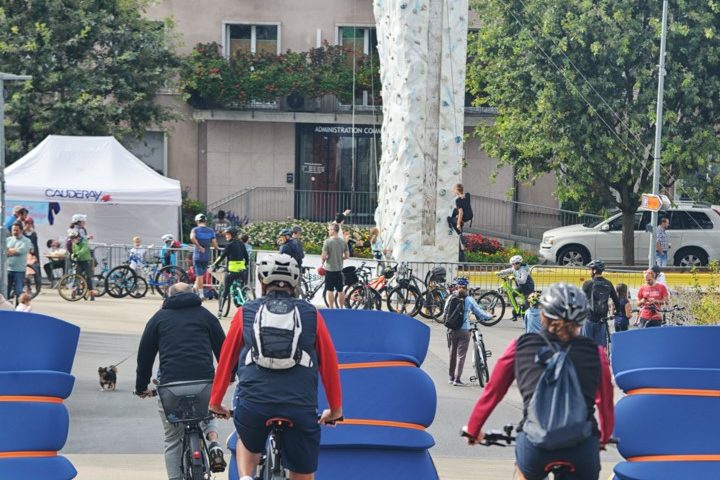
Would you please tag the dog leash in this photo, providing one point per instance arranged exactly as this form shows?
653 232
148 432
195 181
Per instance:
121 361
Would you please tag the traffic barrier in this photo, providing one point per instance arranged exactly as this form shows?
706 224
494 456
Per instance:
36 357
666 423
388 401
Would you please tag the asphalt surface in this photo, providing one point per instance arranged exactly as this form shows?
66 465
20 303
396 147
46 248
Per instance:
111 431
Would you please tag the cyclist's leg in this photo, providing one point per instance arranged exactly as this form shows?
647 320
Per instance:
301 443
249 420
217 460
173 446
463 342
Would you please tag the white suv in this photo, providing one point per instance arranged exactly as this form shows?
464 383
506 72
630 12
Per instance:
694 238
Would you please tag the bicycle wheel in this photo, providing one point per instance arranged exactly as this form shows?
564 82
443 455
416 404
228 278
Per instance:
99 284
433 303
168 276
362 297
223 303
484 363
140 289
120 281
494 304
248 293
72 287
404 299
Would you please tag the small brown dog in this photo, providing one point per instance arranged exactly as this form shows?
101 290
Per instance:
108 378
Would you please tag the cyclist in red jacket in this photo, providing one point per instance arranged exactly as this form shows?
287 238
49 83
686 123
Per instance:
280 345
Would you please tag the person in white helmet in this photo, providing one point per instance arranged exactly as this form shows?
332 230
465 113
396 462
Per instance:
280 379
523 279
167 252
78 223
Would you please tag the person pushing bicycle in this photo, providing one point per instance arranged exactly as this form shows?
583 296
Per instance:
523 278
279 345
237 259
563 309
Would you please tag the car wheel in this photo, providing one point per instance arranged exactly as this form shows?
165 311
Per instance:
573 256
691 257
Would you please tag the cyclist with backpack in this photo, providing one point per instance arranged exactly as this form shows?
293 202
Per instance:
457 308
561 376
599 291
279 345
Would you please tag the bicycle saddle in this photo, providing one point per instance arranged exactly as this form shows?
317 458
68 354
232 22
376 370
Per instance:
559 466
279 422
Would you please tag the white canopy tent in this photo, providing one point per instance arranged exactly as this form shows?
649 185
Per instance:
97 176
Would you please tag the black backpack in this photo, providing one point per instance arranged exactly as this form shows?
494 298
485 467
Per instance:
557 416
467 209
600 292
455 312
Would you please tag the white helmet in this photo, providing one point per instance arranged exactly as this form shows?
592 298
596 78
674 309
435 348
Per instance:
168 237
278 267
72 233
79 217
515 259
200 217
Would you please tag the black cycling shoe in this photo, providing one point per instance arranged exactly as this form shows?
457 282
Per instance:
217 462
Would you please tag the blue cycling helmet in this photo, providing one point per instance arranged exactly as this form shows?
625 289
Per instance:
462 282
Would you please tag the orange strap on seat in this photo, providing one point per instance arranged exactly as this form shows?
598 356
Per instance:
380 423
676 458
686 392
28 454
398 363
30 398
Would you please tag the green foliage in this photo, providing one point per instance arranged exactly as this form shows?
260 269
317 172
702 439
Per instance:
190 208
96 69
501 256
210 80
523 63
704 303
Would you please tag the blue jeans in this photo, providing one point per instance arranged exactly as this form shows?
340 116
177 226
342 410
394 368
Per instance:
16 283
661 259
595 330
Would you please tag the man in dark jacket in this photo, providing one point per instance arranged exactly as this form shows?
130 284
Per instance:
185 335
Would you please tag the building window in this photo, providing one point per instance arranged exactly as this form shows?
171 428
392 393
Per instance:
361 41
252 38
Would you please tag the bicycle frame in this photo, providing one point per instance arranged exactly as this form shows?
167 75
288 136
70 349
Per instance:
506 287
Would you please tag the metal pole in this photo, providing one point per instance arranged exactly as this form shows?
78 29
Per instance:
658 132
3 231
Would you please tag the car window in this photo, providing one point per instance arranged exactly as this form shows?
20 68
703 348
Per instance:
698 220
616 224
679 220
641 220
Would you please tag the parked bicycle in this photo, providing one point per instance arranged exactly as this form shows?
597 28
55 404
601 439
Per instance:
72 286
434 297
124 280
359 294
493 302
480 356
673 316
238 294
406 297
310 284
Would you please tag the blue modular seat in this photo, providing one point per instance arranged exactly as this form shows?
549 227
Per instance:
676 347
667 470
377 464
365 357
378 332
45 468
668 377
33 426
37 382
667 425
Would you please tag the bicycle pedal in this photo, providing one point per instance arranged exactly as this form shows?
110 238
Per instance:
488 353
473 379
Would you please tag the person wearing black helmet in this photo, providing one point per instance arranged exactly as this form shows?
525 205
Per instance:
599 291
563 309
237 259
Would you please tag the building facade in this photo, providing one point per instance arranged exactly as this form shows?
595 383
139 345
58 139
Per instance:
275 161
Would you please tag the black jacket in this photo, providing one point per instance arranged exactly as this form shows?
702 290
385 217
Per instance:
185 335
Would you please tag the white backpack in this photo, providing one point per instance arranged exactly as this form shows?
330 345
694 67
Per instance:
276 333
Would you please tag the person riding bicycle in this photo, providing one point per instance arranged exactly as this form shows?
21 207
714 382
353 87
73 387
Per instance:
185 336
459 339
521 272
82 257
563 309
237 259
599 291
280 381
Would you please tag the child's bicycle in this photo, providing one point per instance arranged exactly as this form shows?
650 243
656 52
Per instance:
493 302
239 293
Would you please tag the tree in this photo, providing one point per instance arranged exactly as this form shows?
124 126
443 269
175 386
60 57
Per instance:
575 84
96 66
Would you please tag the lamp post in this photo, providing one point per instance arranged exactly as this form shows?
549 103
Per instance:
4 77
658 132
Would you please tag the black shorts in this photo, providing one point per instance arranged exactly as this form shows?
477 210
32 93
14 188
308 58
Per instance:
334 281
531 460
300 444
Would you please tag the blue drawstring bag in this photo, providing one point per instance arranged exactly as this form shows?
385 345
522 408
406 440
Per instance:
557 416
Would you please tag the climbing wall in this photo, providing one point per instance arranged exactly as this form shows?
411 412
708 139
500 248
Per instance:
422 46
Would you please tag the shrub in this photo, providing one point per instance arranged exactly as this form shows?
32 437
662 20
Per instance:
475 242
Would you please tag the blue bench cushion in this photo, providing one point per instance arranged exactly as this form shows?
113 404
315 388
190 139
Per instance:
30 341
36 382
46 468
667 470
667 425
377 332
363 357
666 377
32 426
375 464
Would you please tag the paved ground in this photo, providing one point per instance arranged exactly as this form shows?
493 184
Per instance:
114 435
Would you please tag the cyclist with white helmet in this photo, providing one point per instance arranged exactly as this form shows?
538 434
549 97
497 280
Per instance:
521 272
167 252
78 223
203 238
279 345
563 309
